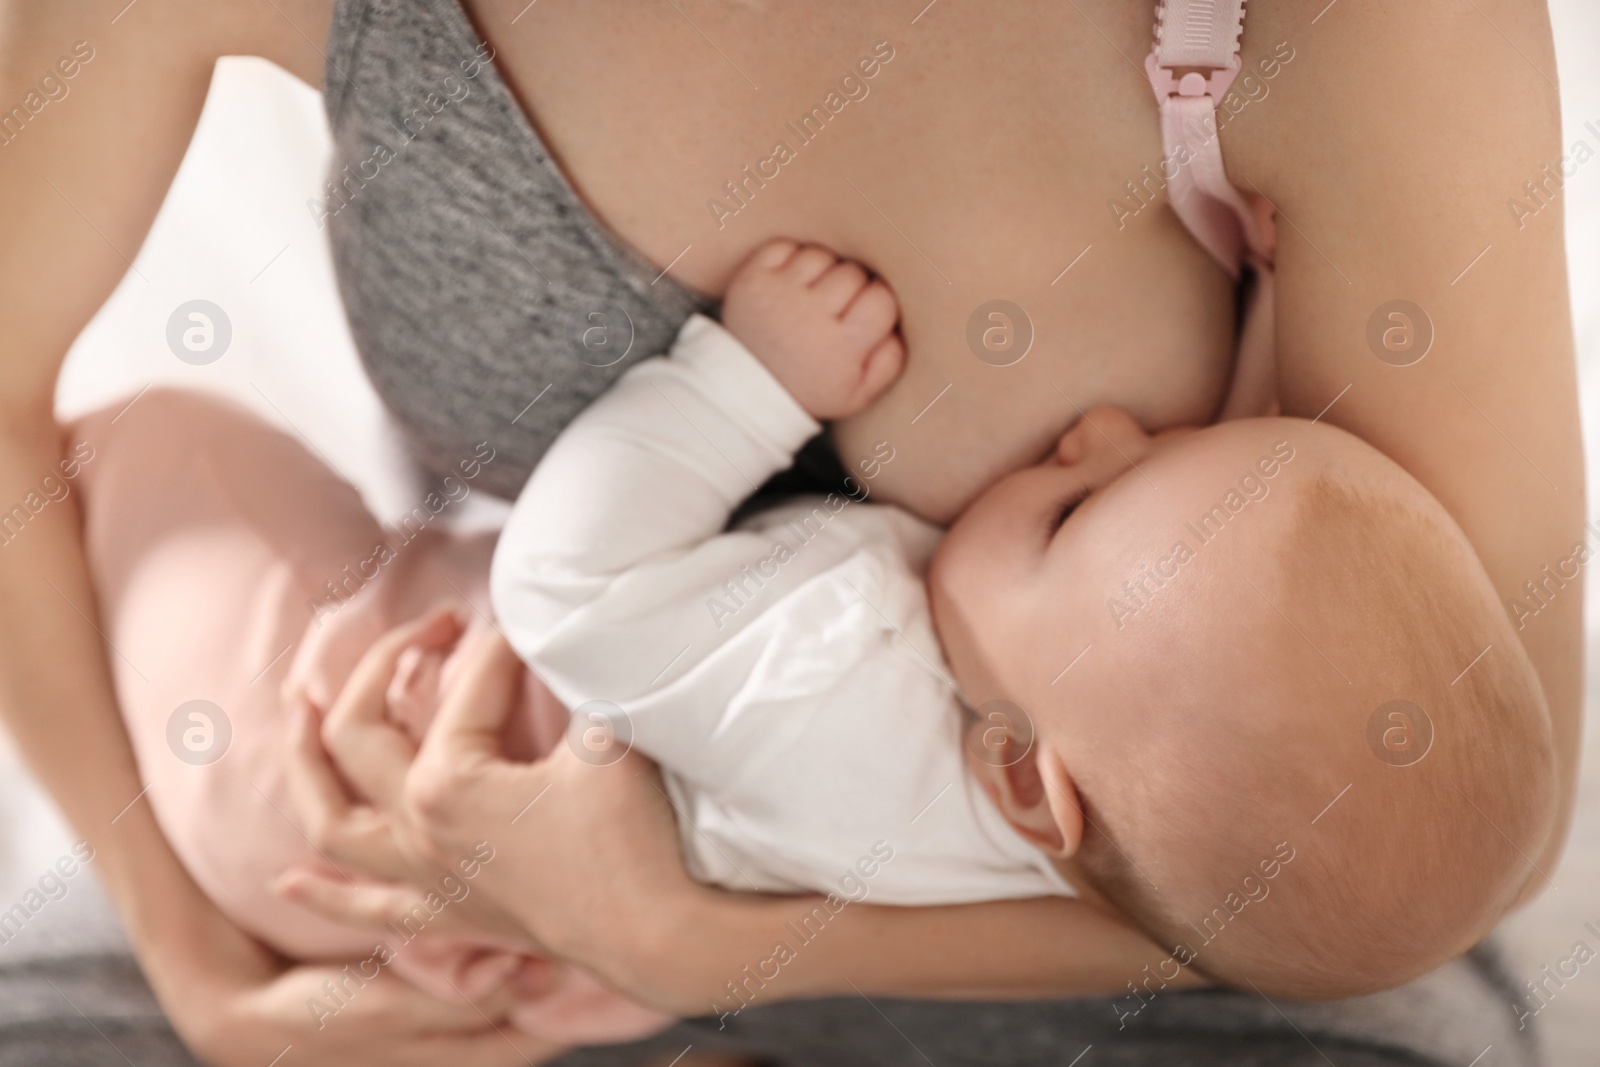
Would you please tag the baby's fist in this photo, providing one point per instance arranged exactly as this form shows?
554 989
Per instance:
823 328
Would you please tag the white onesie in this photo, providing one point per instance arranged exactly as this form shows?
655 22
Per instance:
784 674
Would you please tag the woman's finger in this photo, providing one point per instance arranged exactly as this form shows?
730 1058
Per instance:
374 906
461 756
373 753
472 714
317 793
359 836
374 1003
384 1001
362 696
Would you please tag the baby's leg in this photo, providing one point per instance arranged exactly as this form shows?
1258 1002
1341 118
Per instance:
226 558
210 536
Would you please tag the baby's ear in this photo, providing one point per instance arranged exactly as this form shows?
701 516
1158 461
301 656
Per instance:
1035 793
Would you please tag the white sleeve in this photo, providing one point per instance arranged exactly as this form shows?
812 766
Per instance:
618 537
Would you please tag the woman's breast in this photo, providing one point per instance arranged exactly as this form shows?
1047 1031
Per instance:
1033 316
1000 169
1034 286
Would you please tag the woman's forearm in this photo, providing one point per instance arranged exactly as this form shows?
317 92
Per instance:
1489 421
727 951
58 703
595 874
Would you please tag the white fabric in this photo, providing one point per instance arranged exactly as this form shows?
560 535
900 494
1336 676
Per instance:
800 720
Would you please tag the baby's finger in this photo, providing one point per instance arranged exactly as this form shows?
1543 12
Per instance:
809 264
839 285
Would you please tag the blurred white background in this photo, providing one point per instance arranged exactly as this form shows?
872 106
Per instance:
236 231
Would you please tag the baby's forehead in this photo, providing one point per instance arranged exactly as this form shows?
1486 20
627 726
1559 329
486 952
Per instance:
1214 474
1213 523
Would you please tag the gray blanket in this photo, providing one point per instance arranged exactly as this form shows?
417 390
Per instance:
70 994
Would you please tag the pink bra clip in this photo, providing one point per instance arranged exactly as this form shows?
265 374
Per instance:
1193 83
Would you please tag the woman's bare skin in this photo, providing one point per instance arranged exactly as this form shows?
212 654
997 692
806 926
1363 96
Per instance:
983 162
979 167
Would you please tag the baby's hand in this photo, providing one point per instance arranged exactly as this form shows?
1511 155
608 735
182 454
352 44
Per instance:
822 327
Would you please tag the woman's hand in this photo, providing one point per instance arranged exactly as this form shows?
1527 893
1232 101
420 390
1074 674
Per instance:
589 845
586 859
592 865
580 853
238 1005
369 832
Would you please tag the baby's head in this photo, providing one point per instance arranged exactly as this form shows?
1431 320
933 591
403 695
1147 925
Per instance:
1205 655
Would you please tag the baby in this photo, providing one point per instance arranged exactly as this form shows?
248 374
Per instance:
1246 685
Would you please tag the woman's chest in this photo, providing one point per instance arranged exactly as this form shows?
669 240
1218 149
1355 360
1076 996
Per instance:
991 163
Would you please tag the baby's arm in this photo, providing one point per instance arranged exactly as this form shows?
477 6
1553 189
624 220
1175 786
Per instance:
617 540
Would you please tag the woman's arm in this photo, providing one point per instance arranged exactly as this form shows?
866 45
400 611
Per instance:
85 160
597 873
587 859
82 179
715 952
1397 147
